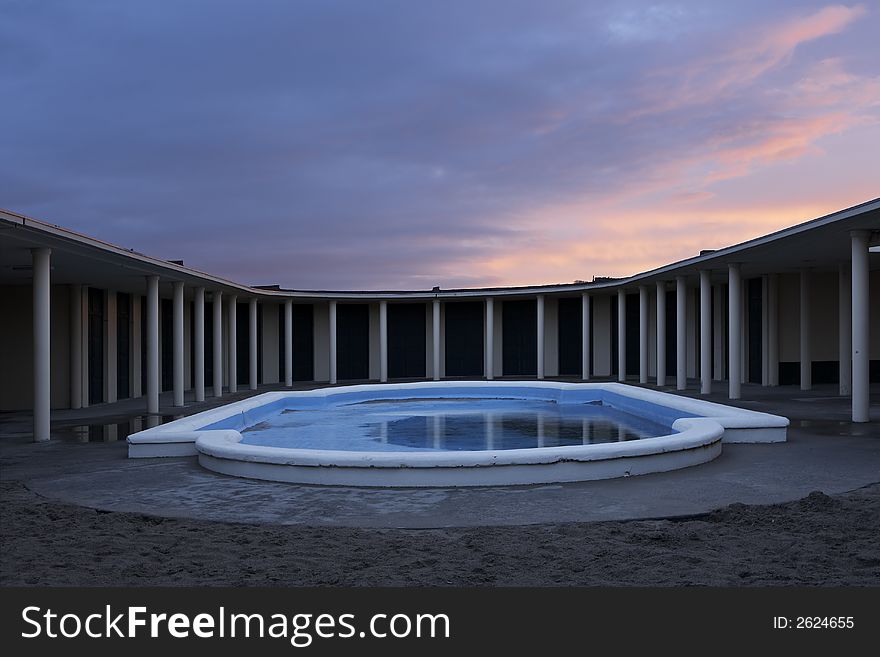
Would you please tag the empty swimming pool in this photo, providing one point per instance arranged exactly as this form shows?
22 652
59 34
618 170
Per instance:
437 424
472 433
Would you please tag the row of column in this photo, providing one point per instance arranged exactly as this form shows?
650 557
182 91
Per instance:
78 378
853 336
853 330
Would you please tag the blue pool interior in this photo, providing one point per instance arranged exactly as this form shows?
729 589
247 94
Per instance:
451 419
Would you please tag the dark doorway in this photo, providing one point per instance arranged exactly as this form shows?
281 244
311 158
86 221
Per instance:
209 343
631 317
406 340
671 341
242 354
303 342
520 336
753 291
243 342
464 338
570 322
352 341
167 329
96 346
123 345
143 303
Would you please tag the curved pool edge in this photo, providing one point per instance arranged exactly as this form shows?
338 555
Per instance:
696 441
177 438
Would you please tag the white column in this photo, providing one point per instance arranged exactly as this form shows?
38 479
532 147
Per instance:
383 341
540 320
110 349
860 327
773 329
680 333
42 342
217 298
621 335
765 331
705 333
199 344
232 342
585 337
76 346
844 348
643 334
490 339
661 333
288 343
734 320
152 344
252 344
177 354
435 316
332 310
805 351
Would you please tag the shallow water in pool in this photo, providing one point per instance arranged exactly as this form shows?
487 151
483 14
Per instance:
456 425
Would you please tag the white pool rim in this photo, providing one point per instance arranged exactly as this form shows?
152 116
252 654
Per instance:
693 440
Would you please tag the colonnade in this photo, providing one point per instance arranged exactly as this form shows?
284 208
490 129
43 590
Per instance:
853 322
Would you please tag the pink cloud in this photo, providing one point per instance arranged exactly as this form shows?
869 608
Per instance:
712 77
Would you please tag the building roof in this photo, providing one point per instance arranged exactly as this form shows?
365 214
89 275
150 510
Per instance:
820 243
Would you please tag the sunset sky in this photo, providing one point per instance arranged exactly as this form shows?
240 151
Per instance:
339 144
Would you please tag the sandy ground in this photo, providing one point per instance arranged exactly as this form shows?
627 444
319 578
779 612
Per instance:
819 540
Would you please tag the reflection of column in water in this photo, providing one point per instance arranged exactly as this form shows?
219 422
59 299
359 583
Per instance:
137 424
621 433
540 429
153 421
585 431
438 432
383 432
489 424
110 433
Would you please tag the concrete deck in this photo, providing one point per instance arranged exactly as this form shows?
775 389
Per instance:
86 464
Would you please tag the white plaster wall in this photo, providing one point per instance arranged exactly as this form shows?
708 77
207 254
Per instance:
17 351
789 317
824 318
271 316
322 342
601 335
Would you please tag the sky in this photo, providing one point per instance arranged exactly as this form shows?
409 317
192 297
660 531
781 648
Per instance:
343 144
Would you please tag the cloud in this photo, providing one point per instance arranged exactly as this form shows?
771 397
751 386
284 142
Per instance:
399 145
711 78
655 22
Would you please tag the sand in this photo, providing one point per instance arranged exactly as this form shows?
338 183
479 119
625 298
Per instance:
819 540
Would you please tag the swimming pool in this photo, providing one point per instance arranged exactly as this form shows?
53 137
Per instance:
462 433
